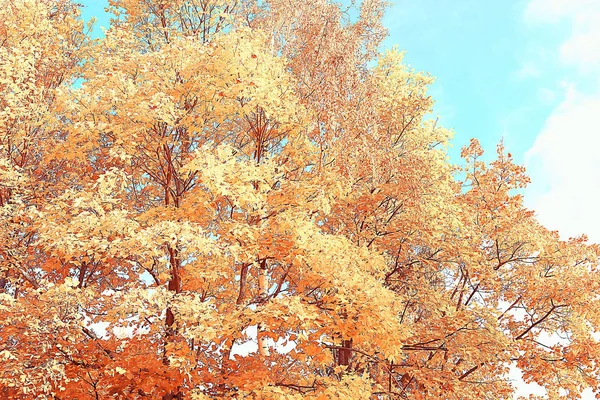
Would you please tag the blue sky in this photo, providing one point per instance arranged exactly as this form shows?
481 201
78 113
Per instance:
475 49
525 71
528 72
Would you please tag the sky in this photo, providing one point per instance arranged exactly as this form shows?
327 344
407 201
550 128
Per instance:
523 71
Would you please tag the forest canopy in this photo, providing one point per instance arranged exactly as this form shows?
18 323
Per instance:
250 199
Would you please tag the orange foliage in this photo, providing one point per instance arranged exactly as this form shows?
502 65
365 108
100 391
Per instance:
215 168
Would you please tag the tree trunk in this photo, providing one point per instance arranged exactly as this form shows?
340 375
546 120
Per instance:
263 287
344 352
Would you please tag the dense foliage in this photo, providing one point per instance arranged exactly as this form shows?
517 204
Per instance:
215 168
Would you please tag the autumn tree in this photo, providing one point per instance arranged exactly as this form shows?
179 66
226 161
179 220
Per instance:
214 168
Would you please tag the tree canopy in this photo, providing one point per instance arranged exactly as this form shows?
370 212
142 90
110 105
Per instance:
214 168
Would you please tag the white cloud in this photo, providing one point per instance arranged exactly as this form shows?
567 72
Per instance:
582 49
249 346
545 11
523 389
546 96
528 70
564 162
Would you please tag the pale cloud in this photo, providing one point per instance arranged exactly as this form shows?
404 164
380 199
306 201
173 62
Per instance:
582 49
546 95
564 161
528 70
522 389
250 345
548 11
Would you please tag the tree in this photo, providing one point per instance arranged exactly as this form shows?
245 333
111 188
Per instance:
212 167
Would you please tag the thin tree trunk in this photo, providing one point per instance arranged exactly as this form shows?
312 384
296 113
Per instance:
345 352
263 287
